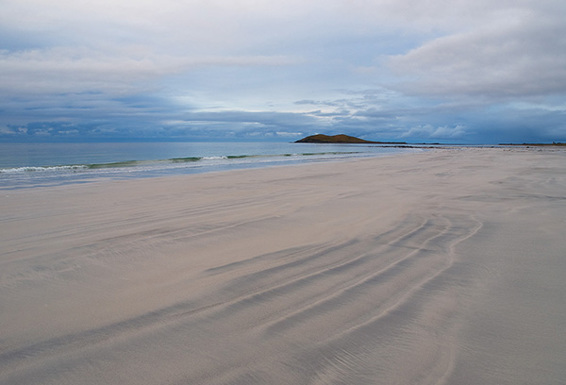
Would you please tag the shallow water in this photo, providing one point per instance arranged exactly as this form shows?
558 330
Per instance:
32 164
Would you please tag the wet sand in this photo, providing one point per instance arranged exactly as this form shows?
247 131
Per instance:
444 267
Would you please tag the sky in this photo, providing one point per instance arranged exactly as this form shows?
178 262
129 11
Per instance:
458 71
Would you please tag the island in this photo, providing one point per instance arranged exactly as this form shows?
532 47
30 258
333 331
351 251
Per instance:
341 138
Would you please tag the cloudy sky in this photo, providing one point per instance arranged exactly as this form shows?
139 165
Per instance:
459 71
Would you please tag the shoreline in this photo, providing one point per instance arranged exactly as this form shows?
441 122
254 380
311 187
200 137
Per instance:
442 266
52 169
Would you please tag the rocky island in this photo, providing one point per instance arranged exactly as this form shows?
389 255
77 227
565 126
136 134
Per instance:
321 138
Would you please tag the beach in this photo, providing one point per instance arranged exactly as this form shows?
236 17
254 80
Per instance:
440 267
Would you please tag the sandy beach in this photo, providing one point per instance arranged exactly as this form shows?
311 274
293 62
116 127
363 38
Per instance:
441 267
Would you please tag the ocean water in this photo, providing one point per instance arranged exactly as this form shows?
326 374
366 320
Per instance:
39 164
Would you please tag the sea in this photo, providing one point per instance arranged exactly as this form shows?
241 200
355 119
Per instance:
27 165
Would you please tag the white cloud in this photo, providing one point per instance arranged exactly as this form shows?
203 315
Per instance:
431 132
206 26
78 69
288 134
514 58
7 131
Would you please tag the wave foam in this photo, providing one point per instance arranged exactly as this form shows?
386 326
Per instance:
15 170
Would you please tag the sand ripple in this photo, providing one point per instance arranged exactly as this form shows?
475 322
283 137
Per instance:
404 271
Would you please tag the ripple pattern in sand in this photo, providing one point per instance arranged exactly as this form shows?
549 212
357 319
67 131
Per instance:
361 311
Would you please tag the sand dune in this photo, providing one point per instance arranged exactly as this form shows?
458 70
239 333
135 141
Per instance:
444 267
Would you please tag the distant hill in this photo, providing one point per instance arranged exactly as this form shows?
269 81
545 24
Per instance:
321 138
